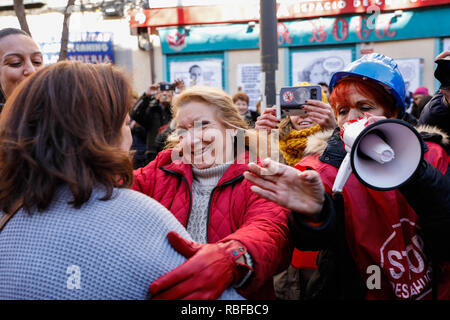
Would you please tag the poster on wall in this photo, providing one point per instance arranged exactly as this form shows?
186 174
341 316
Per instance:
249 80
207 72
318 66
411 70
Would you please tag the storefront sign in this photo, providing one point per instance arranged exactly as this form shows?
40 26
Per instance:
286 10
91 47
310 32
314 8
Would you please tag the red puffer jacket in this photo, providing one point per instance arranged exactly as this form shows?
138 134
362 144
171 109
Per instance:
235 213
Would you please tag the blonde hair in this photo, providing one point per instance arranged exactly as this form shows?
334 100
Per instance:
285 124
227 113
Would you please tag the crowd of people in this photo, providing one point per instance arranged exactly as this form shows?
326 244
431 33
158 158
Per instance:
106 194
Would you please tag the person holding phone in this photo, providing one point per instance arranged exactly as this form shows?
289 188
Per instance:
294 130
153 112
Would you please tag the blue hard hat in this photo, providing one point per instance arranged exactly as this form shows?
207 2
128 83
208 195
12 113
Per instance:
379 68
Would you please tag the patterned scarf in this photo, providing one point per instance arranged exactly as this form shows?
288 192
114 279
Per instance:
295 143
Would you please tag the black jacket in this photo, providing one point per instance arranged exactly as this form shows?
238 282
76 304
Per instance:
161 138
150 114
436 113
250 117
139 144
337 276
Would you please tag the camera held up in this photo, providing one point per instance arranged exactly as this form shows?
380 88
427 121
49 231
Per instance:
167 86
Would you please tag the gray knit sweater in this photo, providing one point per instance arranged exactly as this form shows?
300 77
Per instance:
106 250
204 182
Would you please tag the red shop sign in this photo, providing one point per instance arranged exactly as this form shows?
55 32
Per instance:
192 15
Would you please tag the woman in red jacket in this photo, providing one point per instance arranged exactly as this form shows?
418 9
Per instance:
241 238
374 244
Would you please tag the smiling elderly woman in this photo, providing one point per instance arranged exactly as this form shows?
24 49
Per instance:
242 239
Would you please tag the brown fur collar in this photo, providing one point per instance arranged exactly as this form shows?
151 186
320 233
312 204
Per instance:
317 143
434 130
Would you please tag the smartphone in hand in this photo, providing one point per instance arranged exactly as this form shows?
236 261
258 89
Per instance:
292 99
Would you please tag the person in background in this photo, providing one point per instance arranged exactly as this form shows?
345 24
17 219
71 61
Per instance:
437 111
20 57
294 132
360 229
420 97
408 101
162 139
153 112
412 110
72 228
325 89
241 101
139 134
418 106
419 94
240 238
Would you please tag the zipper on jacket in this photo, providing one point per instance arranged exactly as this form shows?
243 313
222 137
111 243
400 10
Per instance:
189 189
226 183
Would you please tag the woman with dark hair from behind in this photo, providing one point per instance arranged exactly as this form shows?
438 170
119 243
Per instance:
19 57
75 230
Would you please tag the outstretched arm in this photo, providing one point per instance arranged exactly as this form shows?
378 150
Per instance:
299 191
312 219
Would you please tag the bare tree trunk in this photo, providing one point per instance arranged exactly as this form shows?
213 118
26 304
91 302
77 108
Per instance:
65 31
19 9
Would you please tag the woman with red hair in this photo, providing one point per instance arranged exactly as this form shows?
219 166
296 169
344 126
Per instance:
374 244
